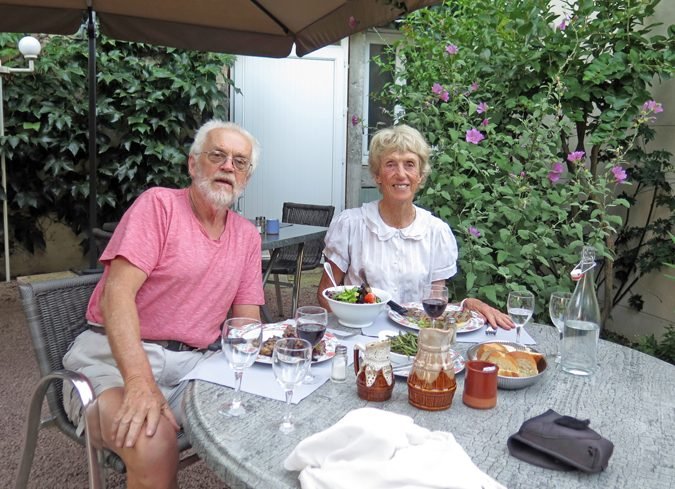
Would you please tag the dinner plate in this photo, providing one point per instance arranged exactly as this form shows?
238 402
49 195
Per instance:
415 310
404 372
277 329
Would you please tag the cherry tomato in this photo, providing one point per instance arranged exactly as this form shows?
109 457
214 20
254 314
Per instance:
370 298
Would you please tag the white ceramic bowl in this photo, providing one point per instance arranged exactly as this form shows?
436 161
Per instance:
356 315
513 383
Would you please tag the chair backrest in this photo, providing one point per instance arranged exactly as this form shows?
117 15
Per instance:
55 312
314 215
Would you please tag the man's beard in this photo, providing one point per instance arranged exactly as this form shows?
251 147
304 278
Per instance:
221 199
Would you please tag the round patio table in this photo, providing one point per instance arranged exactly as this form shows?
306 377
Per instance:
630 400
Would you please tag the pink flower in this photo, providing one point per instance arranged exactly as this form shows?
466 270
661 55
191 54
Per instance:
556 170
553 176
482 107
442 93
474 136
474 232
620 174
474 86
451 49
352 22
575 156
355 120
557 167
563 24
485 122
652 106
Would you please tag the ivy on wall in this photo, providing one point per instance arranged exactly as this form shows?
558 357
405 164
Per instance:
150 101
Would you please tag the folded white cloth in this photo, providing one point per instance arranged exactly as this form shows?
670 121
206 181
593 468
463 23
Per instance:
374 449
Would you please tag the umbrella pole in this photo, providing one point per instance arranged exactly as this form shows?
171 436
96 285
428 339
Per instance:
91 31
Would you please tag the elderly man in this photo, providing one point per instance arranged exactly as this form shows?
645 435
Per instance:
178 261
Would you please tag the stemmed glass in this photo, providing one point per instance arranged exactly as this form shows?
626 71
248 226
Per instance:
557 305
520 306
434 301
310 325
291 358
241 341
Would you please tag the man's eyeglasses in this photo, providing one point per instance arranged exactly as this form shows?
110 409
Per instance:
218 158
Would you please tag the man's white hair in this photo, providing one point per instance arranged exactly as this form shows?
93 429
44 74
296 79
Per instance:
207 127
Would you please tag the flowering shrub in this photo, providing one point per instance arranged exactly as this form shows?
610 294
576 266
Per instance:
533 117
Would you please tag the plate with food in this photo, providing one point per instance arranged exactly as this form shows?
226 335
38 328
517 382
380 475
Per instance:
325 350
519 365
416 318
404 349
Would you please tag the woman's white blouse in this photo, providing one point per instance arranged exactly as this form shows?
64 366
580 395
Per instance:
400 261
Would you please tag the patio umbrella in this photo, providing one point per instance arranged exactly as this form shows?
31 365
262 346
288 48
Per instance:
249 27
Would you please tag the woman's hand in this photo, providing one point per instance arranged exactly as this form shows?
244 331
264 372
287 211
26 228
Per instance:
491 315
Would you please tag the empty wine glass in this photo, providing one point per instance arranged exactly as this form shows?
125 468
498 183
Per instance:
241 341
434 301
291 358
557 306
310 325
520 306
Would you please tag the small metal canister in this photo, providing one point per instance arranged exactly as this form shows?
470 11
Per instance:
260 224
338 372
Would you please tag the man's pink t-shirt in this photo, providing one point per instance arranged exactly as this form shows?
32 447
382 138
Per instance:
193 280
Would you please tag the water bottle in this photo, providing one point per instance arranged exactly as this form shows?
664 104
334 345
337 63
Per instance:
581 329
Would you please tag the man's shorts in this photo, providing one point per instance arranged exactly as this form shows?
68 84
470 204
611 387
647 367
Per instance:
90 355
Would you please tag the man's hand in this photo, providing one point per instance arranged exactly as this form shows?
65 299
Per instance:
143 404
490 314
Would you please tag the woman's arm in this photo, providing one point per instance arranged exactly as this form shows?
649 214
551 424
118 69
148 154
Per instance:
490 314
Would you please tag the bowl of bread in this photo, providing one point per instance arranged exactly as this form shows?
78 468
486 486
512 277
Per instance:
519 365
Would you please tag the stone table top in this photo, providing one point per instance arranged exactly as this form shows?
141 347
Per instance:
630 400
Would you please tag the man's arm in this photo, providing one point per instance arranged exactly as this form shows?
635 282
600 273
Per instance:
246 311
143 401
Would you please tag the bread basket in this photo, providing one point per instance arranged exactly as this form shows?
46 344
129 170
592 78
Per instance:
513 383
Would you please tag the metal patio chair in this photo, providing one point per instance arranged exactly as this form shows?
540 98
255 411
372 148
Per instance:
55 313
285 264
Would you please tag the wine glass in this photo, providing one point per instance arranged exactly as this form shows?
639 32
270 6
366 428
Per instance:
241 341
520 306
291 359
434 301
557 305
310 325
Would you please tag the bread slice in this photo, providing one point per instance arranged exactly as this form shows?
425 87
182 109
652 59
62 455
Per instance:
486 348
508 367
526 363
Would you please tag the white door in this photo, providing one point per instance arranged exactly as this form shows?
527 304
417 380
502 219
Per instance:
296 108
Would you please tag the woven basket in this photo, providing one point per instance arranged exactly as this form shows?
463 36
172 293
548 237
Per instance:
430 399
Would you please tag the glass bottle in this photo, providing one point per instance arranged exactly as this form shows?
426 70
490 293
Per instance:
581 329
338 371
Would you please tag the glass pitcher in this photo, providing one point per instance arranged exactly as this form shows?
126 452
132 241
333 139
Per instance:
431 383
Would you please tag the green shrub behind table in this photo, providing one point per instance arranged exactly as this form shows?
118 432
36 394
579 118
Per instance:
150 101
537 87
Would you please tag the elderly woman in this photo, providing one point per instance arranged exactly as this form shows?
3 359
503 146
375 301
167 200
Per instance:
401 247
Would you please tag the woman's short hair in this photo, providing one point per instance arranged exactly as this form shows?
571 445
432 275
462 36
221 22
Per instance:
207 127
400 139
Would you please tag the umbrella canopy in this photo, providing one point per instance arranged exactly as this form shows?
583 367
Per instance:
250 27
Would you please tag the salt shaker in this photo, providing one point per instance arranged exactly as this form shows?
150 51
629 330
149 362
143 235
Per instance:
338 372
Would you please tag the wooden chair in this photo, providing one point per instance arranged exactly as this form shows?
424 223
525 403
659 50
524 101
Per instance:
55 312
285 264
